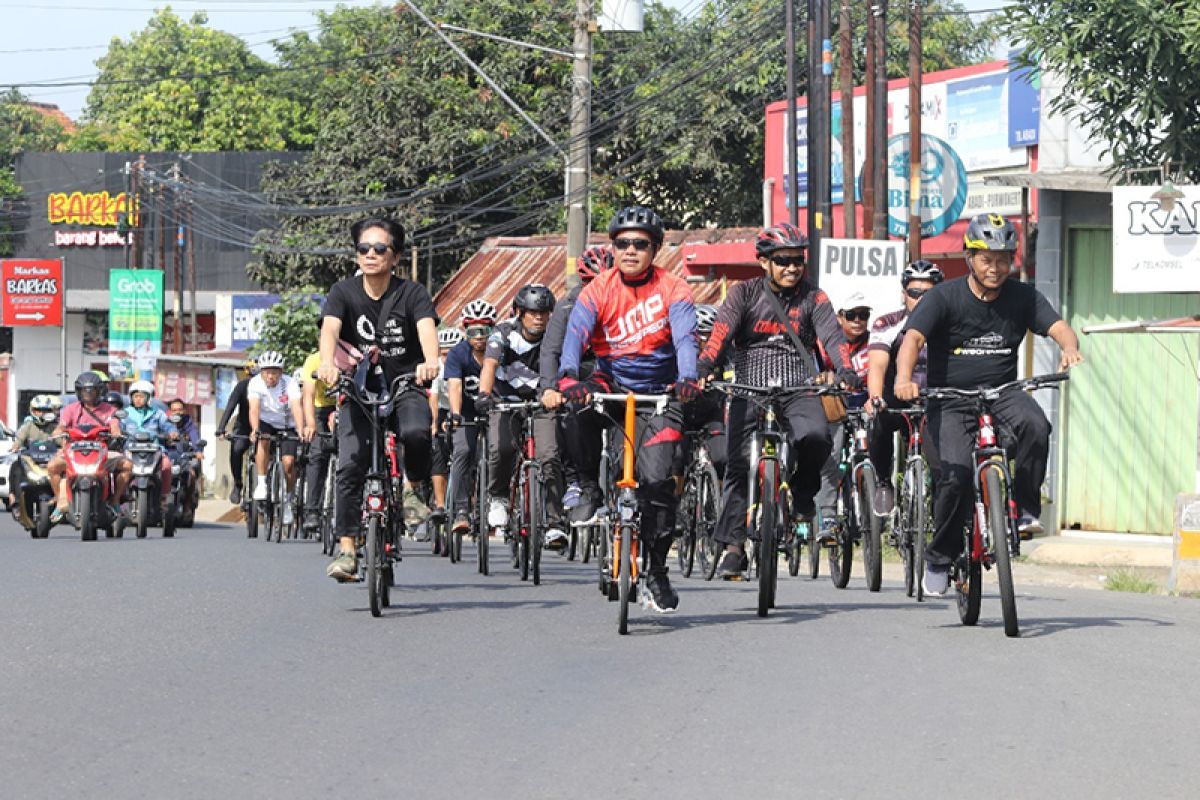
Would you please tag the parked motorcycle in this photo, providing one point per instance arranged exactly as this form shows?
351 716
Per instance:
34 498
145 490
89 482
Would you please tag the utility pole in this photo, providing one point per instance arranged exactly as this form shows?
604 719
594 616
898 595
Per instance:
879 226
136 210
191 265
579 151
793 186
914 130
820 51
846 63
869 152
813 133
177 273
825 163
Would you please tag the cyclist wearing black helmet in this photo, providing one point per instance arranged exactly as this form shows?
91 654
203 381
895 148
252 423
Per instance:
973 327
765 355
886 335
510 373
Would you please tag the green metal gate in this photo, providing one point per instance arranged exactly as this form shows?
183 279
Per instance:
1131 409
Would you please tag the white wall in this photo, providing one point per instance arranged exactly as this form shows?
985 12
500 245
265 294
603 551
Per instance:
36 359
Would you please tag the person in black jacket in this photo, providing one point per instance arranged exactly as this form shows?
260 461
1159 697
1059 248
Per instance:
238 447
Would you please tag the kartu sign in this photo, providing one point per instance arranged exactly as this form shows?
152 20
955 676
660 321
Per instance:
1155 249
32 291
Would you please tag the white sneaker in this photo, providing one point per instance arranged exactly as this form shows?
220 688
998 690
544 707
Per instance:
497 513
288 516
260 491
556 539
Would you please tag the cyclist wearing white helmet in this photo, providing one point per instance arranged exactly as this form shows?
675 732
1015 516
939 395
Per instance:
275 408
142 417
887 333
463 365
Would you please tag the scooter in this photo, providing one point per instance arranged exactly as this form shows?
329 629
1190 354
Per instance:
185 490
34 498
145 491
89 483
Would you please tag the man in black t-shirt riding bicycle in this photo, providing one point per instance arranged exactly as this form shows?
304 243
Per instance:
973 327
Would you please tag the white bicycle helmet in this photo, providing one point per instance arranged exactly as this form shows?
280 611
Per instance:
921 270
448 337
706 315
479 311
271 359
143 386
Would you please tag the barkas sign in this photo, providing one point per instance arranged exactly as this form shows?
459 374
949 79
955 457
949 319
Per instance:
93 209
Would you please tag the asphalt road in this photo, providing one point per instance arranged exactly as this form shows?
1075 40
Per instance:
211 666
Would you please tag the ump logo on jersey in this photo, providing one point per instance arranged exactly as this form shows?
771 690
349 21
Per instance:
637 323
943 185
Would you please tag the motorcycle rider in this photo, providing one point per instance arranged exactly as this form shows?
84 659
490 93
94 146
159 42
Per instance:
86 414
37 427
142 417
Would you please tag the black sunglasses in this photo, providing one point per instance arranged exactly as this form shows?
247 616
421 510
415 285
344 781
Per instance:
860 315
788 261
641 245
916 294
478 331
363 248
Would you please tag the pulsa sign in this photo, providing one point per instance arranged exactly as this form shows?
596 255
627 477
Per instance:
943 186
868 266
1155 250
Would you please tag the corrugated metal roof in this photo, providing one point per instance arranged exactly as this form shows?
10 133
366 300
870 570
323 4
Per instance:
505 264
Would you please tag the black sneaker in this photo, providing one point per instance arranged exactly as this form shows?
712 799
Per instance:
657 594
585 510
235 497
732 566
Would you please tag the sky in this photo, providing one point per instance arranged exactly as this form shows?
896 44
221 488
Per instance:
55 40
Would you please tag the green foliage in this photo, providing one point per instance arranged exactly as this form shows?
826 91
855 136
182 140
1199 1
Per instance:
1128 580
290 326
22 128
1129 70
208 92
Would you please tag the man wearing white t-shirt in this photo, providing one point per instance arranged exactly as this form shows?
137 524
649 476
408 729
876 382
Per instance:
275 407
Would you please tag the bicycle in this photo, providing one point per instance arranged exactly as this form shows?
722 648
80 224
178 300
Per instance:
911 516
525 495
624 560
271 510
855 502
771 525
384 527
992 539
249 481
328 495
480 528
699 507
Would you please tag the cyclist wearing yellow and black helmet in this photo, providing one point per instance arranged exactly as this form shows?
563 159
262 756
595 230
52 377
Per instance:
238 403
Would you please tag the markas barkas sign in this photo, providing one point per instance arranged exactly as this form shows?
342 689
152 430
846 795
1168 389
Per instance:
92 210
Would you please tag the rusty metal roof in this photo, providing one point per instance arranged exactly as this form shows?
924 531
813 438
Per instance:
505 264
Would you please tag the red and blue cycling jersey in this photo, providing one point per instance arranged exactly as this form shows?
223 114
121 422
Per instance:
642 331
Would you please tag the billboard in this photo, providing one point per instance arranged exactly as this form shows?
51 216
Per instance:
1155 250
32 291
135 317
245 318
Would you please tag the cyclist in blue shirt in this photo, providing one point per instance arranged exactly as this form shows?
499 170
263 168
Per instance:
463 365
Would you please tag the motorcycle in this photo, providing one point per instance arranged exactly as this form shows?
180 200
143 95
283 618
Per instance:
145 491
34 498
185 489
89 482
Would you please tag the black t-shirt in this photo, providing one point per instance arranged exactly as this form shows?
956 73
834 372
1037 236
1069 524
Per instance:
399 345
972 343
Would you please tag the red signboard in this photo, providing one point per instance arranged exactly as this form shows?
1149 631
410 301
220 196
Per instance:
32 291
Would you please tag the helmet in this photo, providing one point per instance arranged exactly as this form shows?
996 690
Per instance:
271 359
991 232
251 366
533 297
40 402
780 237
115 400
448 337
479 312
638 218
145 387
88 380
921 270
594 261
705 317
53 402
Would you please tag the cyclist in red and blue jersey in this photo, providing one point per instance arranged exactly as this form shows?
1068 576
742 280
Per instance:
640 323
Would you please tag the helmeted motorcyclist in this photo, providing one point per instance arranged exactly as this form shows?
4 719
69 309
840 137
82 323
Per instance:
89 413
142 417
38 426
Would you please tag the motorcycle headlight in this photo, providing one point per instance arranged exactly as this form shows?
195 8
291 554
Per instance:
86 469
175 469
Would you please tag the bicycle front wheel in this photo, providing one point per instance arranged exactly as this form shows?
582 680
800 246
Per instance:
375 576
768 557
535 518
872 528
996 501
708 499
918 522
841 551
624 578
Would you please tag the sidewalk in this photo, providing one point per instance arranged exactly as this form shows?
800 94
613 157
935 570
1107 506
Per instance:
217 510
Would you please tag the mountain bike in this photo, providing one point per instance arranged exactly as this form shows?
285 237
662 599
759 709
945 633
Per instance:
771 522
526 499
992 539
699 507
854 518
911 518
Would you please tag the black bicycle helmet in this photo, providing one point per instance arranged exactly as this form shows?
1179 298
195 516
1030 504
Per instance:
921 270
638 218
86 381
533 297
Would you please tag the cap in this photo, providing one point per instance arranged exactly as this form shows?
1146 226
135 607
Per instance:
855 300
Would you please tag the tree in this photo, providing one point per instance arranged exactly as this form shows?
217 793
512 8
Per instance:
1128 70
22 128
179 85
290 326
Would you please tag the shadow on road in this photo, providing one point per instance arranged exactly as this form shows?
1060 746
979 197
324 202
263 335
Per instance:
402 610
1037 628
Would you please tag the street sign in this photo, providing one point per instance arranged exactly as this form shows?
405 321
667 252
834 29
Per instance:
32 291
1155 249
943 185
135 317
870 267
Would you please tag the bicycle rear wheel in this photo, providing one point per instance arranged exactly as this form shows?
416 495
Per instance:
768 557
685 548
998 522
624 578
841 551
375 576
536 534
708 550
482 532
872 528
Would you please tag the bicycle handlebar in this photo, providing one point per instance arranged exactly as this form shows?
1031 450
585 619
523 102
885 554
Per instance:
659 401
517 405
807 389
990 393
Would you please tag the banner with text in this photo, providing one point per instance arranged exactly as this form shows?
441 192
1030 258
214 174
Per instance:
1155 250
135 301
869 266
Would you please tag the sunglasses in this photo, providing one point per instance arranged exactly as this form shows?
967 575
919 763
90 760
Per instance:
916 294
788 261
857 315
478 331
641 245
363 248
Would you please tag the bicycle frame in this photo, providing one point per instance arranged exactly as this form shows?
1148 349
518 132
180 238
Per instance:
990 455
528 469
